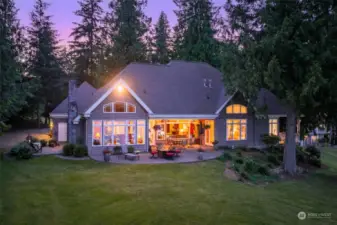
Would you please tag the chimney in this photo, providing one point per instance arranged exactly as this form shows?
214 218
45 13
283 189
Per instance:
72 111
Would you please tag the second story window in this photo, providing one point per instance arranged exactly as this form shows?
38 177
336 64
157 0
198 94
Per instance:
119 107
236 109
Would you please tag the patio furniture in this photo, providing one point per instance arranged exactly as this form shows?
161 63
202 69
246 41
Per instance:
169 154
154 151
131 156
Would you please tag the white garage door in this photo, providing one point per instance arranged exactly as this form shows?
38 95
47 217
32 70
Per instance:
62 132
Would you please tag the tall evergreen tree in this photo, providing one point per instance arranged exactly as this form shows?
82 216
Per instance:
43 61
162 39
197 20
289 48
128 27
86 44
14 88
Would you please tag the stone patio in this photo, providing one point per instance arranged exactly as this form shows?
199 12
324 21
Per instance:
188 156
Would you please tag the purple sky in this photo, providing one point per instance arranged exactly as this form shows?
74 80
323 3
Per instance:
63 16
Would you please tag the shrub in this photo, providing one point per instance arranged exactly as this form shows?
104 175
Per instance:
315 162
263 170
270 140
239 153
242 148
236 168
131 149
244 175
272 159
68 149
280 158
313 152
227 156
270 165
250 166
22 151
239 161
80 151
44 143
117 150
253 149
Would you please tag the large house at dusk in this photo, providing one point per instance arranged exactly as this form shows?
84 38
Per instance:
147 104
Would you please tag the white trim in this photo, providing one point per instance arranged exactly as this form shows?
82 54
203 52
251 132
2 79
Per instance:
182 116
225 103
126 105
77 119
240 129
110 90
276 116
59 115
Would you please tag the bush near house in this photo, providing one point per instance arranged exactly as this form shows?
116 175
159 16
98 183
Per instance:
117 150
80 151
68 149
270 140
44 143
22 151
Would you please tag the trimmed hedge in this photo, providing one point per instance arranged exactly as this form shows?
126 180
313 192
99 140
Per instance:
68 149
131 149
80 151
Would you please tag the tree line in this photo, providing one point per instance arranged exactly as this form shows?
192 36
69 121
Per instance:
287 47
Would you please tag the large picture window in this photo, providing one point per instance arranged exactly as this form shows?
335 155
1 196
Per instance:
273 126
119 107
118 132
236 130
236 109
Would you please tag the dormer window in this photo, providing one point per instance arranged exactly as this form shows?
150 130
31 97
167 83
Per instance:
119 107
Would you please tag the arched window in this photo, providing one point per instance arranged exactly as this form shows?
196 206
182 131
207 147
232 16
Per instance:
107 108
119 107
236 109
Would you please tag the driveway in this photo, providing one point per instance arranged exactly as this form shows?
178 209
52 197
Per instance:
9 139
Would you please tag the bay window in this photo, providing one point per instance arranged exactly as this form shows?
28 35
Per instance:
236 129
118 132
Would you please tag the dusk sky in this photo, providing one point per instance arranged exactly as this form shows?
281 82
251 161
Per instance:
63 12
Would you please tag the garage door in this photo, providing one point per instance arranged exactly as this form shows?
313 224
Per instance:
62 132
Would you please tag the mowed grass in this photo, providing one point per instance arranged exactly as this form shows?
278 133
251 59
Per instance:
50 191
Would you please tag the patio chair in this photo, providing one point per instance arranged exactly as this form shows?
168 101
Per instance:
170 155
153 152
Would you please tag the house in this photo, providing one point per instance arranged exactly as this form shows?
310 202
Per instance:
148 104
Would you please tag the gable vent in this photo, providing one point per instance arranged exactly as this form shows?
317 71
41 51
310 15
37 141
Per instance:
210 83
205 83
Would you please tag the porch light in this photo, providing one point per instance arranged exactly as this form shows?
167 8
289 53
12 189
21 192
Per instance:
120 88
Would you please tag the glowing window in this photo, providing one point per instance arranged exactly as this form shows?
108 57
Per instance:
236 109
273 127
236 130
97 132
107 108
131 108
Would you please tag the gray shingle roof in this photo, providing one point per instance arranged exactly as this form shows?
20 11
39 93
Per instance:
175 88
83 94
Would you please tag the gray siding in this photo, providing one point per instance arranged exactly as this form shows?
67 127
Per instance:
98 114
255 127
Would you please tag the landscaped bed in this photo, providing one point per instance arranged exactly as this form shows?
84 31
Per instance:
48 190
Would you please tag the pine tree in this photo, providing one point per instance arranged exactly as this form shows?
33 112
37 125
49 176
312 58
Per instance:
287 47
197 20
14 89
127 30
86 45
43 61
162 39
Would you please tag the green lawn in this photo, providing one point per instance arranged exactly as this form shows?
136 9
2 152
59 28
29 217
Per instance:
50 191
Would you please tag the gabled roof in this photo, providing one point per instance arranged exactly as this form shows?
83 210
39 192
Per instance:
176 88
82 94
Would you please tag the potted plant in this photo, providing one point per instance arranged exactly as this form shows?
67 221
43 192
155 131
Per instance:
200 155
106 154
215 142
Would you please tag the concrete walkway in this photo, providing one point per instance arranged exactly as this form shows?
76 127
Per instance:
188 156
50 151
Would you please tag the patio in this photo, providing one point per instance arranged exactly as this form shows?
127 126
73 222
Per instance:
188 156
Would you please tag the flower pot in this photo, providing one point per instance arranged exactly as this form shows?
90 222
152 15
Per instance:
200 156
106 157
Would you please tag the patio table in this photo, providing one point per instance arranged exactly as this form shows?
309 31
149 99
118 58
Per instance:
162 152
